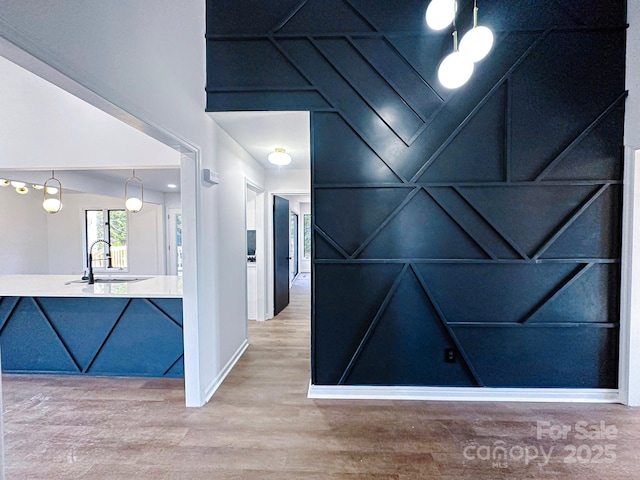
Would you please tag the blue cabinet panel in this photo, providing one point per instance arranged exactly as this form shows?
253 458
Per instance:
92 336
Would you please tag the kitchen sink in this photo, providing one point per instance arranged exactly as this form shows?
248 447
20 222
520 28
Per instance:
111 280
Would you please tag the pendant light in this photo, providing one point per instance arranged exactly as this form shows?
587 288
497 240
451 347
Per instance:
20 187
477 42
279 157
456 68
133 203
440 13
52 196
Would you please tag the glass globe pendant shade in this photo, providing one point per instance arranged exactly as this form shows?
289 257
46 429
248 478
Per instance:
477 43
133 204
52 205
455 70
440 13
52 196
279 157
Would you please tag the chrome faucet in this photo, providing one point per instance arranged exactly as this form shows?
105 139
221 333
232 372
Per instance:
90 279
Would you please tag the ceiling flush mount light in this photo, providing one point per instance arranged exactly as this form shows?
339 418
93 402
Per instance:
477 42
440 13
4 182
279 157
52 196
133 202
456 68
172 185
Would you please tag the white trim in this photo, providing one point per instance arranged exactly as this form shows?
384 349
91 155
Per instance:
629 306
215 384
463 394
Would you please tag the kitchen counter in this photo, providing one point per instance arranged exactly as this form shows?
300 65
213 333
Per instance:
144 286
58 324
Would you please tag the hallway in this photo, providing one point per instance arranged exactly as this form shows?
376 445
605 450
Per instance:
260 425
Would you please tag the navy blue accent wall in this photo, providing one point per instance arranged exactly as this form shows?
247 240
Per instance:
485 220
92 336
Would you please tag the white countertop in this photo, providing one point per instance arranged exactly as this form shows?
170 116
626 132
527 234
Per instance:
149 286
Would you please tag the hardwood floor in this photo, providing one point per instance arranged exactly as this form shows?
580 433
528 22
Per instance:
260 425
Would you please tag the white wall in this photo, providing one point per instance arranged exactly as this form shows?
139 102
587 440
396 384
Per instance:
251 210
145 239
235 166
172 200
144 61
69 131
23 238
288 181
34 242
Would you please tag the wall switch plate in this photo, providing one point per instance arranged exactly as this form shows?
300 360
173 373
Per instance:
449 355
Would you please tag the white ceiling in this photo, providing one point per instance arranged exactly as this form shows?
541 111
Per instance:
156 179
260 133
76 137
45 127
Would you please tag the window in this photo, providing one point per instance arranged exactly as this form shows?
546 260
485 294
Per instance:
110 226
307 236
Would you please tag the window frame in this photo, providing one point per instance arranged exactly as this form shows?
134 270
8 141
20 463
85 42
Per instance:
106 234
304 235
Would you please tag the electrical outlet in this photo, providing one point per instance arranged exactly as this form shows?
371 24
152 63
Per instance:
449 355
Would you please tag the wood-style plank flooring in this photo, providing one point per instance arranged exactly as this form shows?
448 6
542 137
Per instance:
260 425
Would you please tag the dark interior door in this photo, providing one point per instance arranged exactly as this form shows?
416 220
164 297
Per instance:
280 254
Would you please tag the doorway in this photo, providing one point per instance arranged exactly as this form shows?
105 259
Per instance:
174 241
256 252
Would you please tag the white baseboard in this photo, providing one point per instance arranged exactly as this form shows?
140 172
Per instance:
215 384
463 394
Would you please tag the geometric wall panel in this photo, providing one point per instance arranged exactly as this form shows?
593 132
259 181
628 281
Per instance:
356 161
351 216
337 286
484 219
423 230
553 356
582 240
529 215
498 293
477 153
408 333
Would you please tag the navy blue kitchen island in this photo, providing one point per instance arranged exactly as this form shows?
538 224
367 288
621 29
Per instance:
54 324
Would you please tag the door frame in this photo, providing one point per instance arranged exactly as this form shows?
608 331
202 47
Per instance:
262 256
171 245
269 241
294 258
